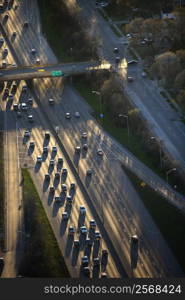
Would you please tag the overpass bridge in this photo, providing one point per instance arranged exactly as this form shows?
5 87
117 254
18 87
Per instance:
57 70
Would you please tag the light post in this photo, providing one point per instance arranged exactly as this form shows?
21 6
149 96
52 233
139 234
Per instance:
100 96
160 149
168 172
125 116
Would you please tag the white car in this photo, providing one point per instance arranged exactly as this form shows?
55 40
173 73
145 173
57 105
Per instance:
30 118
82 210
83 230
68 115
39 159
77 114
84 135
100 152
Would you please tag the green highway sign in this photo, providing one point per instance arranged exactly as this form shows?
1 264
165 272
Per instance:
57 73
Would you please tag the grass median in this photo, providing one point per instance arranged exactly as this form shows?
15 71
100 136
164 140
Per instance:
170 221
42 256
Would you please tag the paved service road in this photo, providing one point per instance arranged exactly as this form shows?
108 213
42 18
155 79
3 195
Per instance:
145 94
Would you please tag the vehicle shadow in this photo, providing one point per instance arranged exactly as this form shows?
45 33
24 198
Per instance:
88 179
56 182
76 159
50 198
133 255
62 197
37 167
96 272
74 257
50 169
81 220
63 226
45 185
30 151
96 248
69 245
63 177
56 207
44 156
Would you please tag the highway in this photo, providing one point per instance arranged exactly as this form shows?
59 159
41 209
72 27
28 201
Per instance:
144 93
131 216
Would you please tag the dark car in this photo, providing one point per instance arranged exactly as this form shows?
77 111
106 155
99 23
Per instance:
1 264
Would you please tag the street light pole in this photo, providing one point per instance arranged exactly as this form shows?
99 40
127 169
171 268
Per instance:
168 172
125 116
100 101
160 149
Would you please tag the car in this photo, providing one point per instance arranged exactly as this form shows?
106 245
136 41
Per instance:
14 88
14 65
76 243
68 115
10 97
57 175
83 230
115 50
1 265
1 40
45 149
47 177
57 199
82 210
5 51
96 262
15 106
117 59
30 118
128 35
30 101
26 24
60 160
77 149
52 162
84 135
88 242
47 135
24 88
19 115
4 64
33 51
89 172
14 34
134 239
6 17
54 149
27 133
52 189
143 74
51 101
32 144
85 147
104 255
85 261
72 186
64 187
100 152
104 275
97 235
92 224
86 272
23 106
39 159
71 230
69 199
132 62
77 114
130 79
65 215
37 61
64 171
